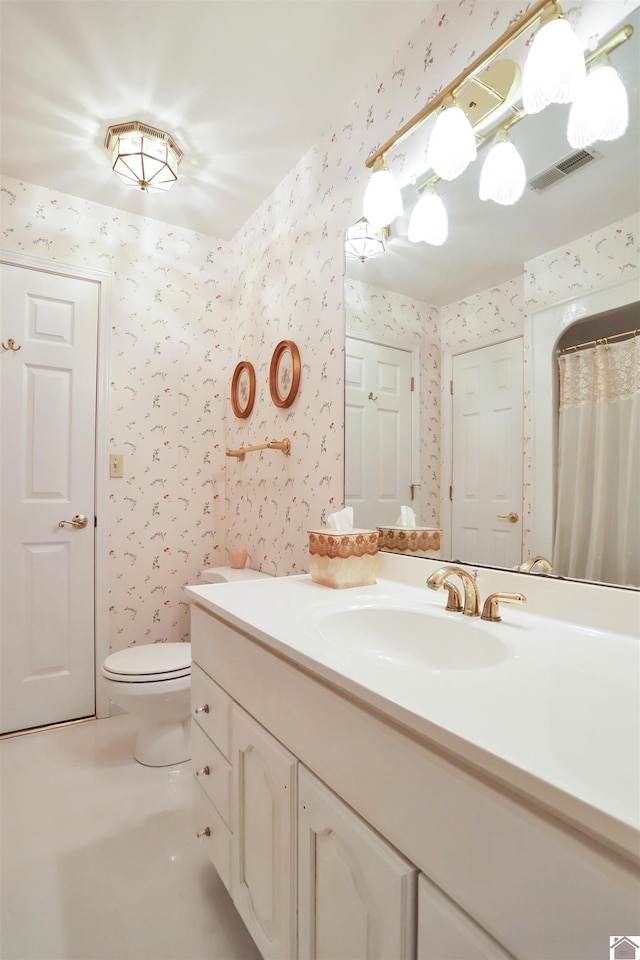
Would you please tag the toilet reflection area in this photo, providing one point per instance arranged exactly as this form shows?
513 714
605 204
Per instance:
153 682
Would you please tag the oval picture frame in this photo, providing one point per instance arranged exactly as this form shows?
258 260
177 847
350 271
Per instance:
243 389
284 373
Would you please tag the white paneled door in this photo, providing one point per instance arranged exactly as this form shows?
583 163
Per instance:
377 432
486 508
47 445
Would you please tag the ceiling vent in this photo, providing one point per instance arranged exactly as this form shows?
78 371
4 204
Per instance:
562 169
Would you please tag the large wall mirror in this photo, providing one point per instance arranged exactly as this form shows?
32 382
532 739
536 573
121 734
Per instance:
422 315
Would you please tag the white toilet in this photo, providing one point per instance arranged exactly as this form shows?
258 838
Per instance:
153 682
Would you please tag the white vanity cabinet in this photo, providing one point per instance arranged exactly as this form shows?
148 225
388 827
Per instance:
264 829
445 932
356 894
501 875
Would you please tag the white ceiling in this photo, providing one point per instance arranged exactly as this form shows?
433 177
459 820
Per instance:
245 87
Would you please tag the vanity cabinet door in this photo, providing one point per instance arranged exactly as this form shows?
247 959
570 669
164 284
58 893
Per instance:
356 893
264 837
445 932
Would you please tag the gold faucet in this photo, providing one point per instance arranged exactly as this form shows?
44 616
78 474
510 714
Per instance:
471 594
543 563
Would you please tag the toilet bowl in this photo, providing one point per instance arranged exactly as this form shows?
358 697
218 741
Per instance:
153 682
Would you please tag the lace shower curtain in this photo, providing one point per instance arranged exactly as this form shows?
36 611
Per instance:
598 517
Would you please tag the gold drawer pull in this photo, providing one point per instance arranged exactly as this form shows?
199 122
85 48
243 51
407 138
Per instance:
203 709
204 772
203 833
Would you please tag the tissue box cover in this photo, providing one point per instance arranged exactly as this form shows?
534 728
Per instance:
412 541
343 559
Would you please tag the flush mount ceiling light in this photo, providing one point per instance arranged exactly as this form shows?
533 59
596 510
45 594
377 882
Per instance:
362 242
601 109
143 156
382 198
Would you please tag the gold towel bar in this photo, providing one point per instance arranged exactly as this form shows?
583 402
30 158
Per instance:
284 445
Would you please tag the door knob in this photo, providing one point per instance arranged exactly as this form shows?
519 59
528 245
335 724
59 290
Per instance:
78 521
512 517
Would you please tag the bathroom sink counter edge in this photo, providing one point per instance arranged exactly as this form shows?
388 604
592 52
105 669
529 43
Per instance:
540 720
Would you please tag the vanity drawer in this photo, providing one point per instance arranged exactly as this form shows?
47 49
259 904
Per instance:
211 708
217 841
212 771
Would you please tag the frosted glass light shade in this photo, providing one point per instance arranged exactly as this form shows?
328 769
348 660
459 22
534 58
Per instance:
452 146
601 109
554 69
429 220
503 176
382 198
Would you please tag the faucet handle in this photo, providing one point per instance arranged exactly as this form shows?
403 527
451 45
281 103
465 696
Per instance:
491 610
454 600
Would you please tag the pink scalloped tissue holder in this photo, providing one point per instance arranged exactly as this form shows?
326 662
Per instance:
342 560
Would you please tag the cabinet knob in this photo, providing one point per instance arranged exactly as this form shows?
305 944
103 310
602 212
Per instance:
202 709
203 772
203 833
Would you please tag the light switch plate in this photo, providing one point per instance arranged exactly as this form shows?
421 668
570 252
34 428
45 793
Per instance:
116 465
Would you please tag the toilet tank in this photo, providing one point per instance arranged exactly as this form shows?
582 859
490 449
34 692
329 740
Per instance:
228 574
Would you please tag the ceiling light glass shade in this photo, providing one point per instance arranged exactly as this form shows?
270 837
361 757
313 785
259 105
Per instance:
452 146
503 177
362 242
554 70
601 109
429 220
382 198
143 156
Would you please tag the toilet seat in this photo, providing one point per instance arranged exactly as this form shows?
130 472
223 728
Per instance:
149 663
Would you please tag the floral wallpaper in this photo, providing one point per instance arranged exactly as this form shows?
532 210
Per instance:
187 308
589 263
168 378
395 318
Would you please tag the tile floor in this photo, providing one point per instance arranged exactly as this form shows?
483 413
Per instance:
98 855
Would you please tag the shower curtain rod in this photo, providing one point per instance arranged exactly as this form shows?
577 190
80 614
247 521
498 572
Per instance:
603 340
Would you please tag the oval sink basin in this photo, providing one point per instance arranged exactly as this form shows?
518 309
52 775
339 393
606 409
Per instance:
412 638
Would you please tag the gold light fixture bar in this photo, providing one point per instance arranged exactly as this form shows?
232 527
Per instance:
283 445
518 112
471 72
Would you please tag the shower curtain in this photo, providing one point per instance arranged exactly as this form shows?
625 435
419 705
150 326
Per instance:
598 516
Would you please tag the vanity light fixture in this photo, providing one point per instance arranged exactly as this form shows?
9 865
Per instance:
559 79
452 145
143 156
362 242
554 70
601 109
503 176
382 198
429 220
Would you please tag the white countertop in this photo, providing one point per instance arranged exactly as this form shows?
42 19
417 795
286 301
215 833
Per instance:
557 719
